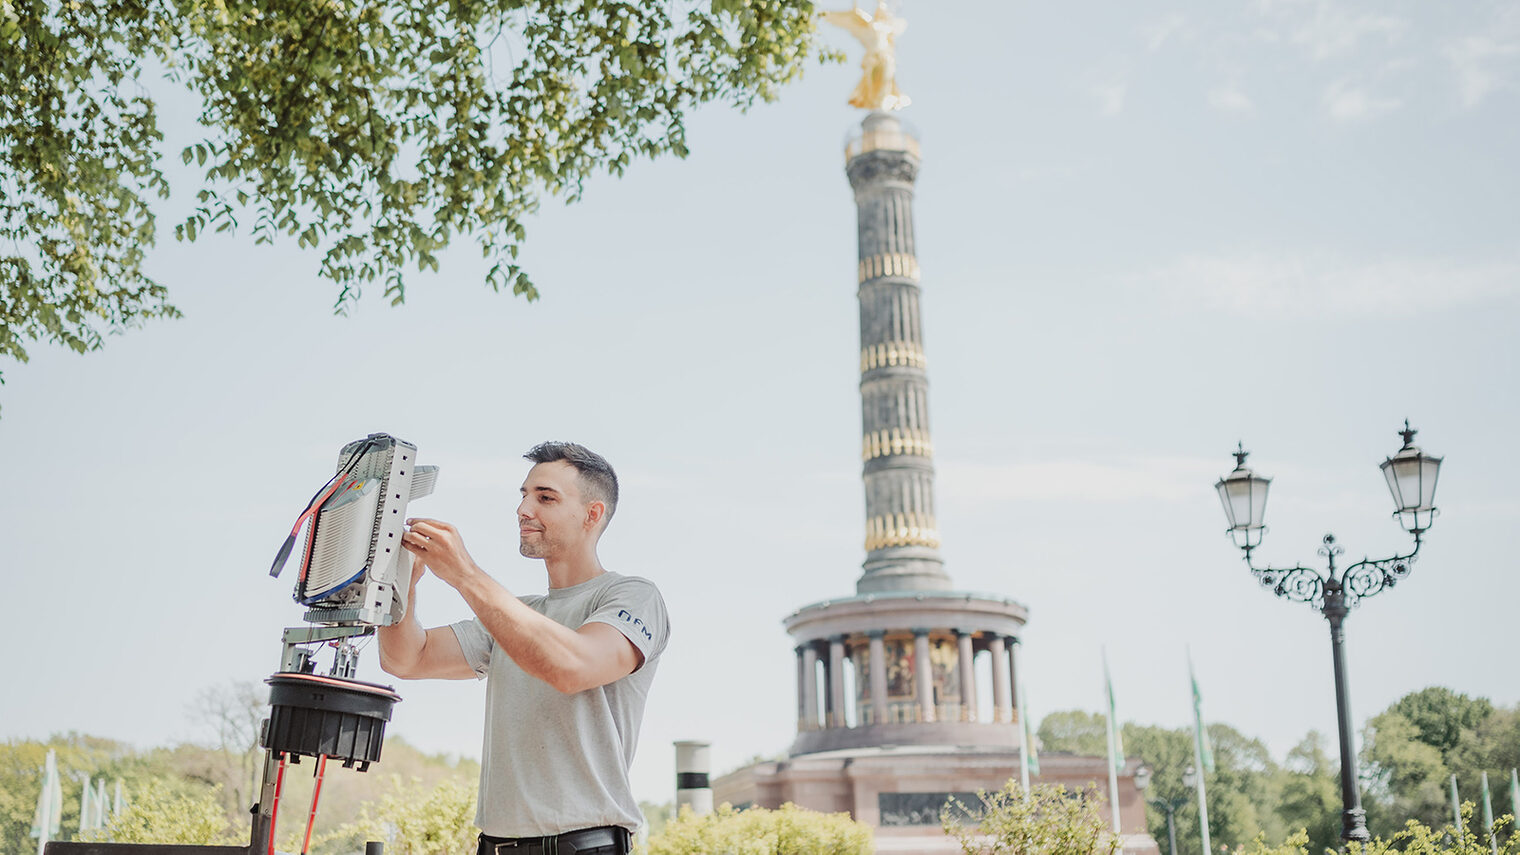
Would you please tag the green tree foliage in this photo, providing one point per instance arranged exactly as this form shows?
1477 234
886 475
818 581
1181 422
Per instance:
758 831
1411 749
164 811
198 775
1052 821
1414 838
1074 731
413 818
374 131
656 816
21 765
1249 794
1310 800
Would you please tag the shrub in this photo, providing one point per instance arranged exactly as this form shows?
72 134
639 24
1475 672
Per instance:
1052 821
159 812
414 818
789 830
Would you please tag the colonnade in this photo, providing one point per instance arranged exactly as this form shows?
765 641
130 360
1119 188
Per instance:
907 676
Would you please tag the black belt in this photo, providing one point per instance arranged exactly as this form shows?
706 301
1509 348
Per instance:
602 840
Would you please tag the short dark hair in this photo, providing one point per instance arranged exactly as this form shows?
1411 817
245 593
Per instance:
597 478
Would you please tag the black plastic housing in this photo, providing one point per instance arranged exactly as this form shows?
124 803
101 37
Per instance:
313 715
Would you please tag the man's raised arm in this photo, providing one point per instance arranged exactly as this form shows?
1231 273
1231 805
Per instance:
412 653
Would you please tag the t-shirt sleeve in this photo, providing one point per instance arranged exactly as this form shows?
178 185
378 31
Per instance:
635 608
476 643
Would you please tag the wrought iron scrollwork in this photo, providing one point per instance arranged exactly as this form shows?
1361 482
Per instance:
1299 584
1368 577
1363 579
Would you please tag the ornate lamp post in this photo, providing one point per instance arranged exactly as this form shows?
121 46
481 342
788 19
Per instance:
1411 476
1189 780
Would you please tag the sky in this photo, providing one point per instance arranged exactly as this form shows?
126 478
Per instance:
1147 232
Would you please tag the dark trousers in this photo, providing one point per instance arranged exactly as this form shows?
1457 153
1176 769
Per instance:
602 840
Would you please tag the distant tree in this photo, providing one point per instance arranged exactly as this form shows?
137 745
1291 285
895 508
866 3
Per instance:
78 755
758 831
656 816
1441 717
162 811
1052 821
376 133
1075 731
1310 799
1413 838
412 818
233 713
1411 749
1168 752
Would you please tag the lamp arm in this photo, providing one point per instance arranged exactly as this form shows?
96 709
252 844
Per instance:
1299 584
1373 576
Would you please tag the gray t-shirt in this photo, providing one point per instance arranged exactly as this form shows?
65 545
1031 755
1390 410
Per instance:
554 762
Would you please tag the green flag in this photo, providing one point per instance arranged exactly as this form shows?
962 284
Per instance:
1514 797
1115 747
1030 752
1200 734
1488 811
1115 744
45 822
1456 807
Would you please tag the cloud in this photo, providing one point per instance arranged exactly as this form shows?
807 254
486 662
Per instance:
1166 479
1229 99
1156 34
1332 30
1110 95
1347 102
1287 284
1486 62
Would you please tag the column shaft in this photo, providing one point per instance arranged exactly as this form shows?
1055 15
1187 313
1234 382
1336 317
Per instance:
1013 677
879 712
801 689
809 689
923 674
836 682
966 658
902 535
1002 701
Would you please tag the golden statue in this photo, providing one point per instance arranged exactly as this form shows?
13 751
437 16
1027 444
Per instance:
878 33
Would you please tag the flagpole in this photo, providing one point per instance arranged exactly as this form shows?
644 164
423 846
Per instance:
1198 761
1026 744
1114 760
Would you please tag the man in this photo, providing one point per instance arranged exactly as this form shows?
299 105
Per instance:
567 672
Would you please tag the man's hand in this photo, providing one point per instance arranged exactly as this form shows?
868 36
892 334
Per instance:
437 546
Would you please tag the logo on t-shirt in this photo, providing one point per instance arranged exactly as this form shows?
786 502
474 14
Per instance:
637 624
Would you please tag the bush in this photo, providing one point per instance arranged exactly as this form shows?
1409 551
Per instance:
157 811
1052 821
414 818
789 830
1415 838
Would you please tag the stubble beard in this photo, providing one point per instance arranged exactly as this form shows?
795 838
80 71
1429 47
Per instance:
533 548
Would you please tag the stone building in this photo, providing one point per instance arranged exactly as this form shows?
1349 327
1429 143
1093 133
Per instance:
891 682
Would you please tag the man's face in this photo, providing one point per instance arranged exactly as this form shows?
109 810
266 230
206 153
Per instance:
554 517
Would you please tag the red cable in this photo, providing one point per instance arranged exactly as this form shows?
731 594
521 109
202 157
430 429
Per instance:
274 812
315 793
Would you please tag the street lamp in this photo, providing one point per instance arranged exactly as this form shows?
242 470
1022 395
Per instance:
1189 780
1411 476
